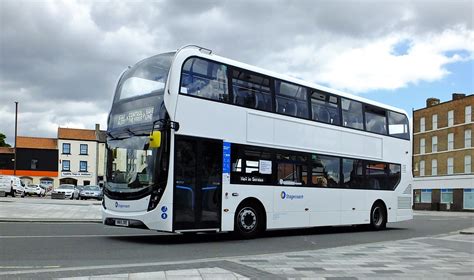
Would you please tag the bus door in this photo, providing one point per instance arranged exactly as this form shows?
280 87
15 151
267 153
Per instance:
197 183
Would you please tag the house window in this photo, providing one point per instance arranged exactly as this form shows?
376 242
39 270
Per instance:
467 164
422 125
450 118
66 165
422 145
34 164
67 148
83 166
450 141
83 149
434 144
425 196
446 196
422 168
468 114
434 121
467 138
434 167
450 166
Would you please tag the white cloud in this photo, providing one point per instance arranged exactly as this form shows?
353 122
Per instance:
361 65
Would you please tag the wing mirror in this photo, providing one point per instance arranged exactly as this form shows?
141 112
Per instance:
155 139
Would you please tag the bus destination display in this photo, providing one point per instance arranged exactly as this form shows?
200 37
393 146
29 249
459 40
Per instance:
142 115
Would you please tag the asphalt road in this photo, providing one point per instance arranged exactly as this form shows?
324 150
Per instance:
41 245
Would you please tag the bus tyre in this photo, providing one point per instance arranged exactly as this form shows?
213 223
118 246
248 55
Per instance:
249 221
378 217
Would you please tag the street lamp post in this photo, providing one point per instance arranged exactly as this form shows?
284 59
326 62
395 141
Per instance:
16 129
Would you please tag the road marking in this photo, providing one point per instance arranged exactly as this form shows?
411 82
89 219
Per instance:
96 267
23 267
76 236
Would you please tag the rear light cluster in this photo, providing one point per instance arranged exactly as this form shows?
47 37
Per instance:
155 198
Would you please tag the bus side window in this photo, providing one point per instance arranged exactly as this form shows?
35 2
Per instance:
205 79
325 171
250 165
251 90
325 108
352 114
292 169
291 99
375 120
398 125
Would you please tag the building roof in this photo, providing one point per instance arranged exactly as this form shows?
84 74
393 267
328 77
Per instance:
36 143
6 150
77 134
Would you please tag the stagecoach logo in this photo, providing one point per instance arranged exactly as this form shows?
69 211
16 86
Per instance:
285 195
117 205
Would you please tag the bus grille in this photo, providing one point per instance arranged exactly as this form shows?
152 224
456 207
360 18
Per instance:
404 202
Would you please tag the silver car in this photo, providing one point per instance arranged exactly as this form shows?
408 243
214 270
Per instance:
91 192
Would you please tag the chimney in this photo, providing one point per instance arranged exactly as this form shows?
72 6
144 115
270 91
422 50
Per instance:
457 96
97 129
431 102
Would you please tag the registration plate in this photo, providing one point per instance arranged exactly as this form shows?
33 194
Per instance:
122 223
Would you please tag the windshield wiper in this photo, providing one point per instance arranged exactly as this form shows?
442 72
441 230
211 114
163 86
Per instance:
130 132
115 137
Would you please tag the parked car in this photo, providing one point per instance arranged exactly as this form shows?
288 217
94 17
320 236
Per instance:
34 190
91 192
79 189
65 191
12 185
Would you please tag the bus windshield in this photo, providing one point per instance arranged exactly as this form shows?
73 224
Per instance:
130 164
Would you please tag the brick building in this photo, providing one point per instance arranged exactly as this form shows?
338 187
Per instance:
443 154
37 160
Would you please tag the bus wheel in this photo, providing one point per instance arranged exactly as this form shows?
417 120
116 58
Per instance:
378 217
249 221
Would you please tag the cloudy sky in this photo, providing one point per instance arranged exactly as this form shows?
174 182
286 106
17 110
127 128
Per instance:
61 59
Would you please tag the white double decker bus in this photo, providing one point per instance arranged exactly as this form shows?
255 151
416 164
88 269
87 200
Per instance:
198 142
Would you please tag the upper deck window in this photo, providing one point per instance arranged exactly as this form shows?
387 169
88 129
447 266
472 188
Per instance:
146 77
251 90
398 125
375 120
352 115
205 79
325 107
291 99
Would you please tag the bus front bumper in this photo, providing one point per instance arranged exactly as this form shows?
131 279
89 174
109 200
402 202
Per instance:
157 219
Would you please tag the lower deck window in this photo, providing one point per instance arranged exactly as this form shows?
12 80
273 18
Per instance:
425 196
446 196
265 166
292 174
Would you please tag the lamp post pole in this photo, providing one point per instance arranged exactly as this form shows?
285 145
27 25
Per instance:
16 130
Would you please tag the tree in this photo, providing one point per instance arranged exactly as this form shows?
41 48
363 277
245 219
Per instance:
2 141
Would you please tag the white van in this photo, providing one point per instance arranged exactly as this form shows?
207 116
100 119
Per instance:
12 185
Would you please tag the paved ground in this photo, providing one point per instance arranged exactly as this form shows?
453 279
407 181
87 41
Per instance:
448 256
47 209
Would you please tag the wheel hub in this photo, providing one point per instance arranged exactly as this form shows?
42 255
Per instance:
247 219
